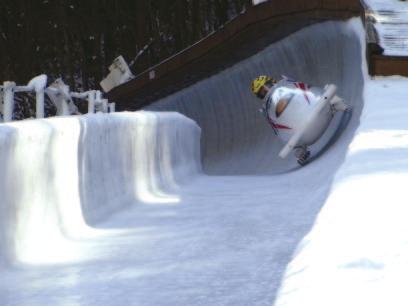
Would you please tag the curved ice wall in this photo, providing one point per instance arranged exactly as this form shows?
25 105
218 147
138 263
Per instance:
60 175
235 137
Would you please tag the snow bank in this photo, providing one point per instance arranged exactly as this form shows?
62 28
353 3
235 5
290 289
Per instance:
60 175
256 2
356 252
390 19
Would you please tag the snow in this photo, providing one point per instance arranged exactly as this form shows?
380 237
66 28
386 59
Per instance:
256 2
388 4
38 83
60 172
179 237
115 209
391 22
356 252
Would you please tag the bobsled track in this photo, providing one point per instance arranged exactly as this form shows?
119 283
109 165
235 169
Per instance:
236 139
132 209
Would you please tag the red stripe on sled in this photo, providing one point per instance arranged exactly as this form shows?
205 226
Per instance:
307 98
303 87
282 127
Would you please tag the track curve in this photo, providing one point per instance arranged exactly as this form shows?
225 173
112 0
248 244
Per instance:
235 138
173 236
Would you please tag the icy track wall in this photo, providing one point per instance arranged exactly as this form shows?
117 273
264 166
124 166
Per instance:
235 137
59 175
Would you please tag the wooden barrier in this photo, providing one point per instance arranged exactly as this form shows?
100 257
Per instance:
238 39
388 65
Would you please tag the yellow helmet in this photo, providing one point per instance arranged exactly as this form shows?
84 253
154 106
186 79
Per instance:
259 82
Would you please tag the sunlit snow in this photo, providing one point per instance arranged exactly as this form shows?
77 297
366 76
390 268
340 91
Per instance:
114 209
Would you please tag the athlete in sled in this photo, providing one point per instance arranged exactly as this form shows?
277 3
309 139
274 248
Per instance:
298 113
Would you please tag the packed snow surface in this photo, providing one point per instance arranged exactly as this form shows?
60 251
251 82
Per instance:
391 22
119 209
256 2
356 253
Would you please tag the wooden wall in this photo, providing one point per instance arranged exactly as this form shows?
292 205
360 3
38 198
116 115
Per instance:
236 40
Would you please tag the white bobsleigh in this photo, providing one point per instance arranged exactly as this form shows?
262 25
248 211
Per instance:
300 114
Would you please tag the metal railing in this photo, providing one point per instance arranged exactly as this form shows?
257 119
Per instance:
59 94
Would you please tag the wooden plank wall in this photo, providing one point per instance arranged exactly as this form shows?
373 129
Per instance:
278 18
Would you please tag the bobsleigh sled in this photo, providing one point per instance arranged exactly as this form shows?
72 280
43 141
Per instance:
300 114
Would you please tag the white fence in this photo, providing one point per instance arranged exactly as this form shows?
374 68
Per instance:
59 94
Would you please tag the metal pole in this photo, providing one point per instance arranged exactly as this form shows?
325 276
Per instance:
1 104
104 105
40 104
65 97
98 101
98 96
8 90
112 107
91 102
65 108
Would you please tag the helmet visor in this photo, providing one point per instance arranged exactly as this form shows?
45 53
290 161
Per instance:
281 106
262 92
264 89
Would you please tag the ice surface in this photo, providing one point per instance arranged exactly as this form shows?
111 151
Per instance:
116 210
235 137
61 172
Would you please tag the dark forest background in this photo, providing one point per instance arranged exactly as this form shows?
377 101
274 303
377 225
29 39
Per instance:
78 39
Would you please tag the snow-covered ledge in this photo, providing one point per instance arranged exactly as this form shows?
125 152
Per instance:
59 94
389 19
356 253
60 175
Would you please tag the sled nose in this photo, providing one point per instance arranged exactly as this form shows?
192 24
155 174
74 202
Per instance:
329 92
